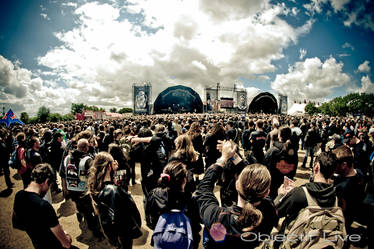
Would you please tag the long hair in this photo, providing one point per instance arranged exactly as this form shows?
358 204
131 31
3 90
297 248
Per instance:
83 134
184 149
173 176
117 153
97 172
194 130
254 184
287 150
217 130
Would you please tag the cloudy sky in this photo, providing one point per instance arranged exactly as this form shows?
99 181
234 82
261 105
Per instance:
55 53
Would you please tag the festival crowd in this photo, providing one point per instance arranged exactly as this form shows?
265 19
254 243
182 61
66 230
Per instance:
253 159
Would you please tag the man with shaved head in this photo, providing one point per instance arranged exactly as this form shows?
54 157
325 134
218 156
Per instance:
75 174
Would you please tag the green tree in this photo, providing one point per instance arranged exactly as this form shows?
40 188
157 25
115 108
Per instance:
325 108
24 117
33 120
338 107
43 114
113 109
77 108
55 117
367 104
311 109
125 110
68 117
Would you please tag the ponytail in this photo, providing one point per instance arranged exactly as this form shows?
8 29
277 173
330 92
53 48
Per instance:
164 180
173 176
249 216
254 185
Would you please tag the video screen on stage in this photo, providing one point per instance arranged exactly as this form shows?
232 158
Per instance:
141 99
227 103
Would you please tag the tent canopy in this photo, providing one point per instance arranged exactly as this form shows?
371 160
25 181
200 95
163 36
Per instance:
178 99
297 109
264 102
9 118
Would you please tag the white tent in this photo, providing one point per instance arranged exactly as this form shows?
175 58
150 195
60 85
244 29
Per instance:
297 109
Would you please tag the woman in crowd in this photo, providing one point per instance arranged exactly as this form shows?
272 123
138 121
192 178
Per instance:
216 133
240 225
281 159
23 169
186 154
119 217
123 171
170 195
194 132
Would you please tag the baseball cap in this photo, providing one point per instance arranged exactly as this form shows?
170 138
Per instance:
347 136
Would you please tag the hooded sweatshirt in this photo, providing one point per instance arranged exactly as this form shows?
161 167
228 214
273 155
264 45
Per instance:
291 204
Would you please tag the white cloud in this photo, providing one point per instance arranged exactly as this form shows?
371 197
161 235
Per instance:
295 11
366 85
23 91
196 44
360 15
252 92
302 53
263 77
353 12
70 4
348 45
343 55
339 4
364 67
45 16
315 6
311 79
233 9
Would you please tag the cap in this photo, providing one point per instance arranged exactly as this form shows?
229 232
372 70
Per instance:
347 136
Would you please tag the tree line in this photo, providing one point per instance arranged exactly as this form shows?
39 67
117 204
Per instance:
351 104
44 114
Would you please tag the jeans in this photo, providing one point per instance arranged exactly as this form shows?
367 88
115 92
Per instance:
309 150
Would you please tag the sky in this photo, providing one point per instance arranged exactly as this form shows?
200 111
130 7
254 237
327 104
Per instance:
55 52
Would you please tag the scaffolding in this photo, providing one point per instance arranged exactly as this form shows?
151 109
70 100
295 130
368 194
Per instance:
225 99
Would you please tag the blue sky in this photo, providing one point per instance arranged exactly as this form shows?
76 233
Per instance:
55 53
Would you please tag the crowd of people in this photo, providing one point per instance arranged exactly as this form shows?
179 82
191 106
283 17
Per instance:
253 158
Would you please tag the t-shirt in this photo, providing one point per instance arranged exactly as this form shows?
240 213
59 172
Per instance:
37 216
351 193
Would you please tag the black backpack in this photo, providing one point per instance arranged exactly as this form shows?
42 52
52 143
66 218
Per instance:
161 153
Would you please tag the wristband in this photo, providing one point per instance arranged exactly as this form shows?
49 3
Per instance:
236 159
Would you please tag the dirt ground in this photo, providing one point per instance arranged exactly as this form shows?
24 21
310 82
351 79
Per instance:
82 238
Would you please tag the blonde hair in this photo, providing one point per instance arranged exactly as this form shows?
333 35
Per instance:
184 149
194 130
97 172
254 185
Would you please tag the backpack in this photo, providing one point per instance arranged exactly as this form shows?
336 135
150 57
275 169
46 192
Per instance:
316 227
173 230
162 154
14 161
76 175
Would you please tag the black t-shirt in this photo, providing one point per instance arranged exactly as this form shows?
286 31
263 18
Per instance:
33 158
351 194
37 217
